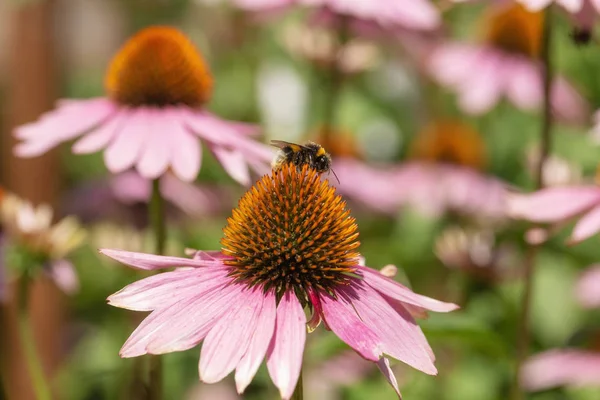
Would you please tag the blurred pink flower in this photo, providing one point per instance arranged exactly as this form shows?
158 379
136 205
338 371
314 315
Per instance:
247 303
505 65
560 204
153 116
554 368
413 14
588 287
572 6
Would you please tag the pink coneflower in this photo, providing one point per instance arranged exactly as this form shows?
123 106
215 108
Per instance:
505 65
291 243
153 115
413 14
443 175
559 204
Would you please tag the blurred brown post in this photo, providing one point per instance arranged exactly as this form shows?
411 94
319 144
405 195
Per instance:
31 88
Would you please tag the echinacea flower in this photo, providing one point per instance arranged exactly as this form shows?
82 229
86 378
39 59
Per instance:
413 14
560 204
153 117
506 64
32 241
289 245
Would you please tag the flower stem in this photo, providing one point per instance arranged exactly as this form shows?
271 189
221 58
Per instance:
523 327
298 392
157 218
36 371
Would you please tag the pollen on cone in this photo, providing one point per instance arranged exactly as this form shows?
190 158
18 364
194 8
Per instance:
159 66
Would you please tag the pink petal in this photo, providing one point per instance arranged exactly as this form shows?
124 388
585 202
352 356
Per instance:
553 204
525 84
127 146
394 290
103 135
479 92
156 152
152 262
535 5
567 103
64 276
259 343
284 356
587 226
341 318
561 367
588 287
234 163
187 155
229 339
451 63
182 325
384 367
160 290
398 332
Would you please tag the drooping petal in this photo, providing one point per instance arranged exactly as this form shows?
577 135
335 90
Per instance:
588 287
561 367
259 343
553 204
100 137
161 290
384 367
152 262
180 326
187 155
398 332
234 163
394 290
450 63
524 84
341 318
229 339
479 92
567 103
587 226
284 356
125 149
155 154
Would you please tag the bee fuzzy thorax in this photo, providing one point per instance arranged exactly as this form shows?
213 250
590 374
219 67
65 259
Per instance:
310 154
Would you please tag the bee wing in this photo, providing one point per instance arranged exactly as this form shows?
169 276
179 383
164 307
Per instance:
282 144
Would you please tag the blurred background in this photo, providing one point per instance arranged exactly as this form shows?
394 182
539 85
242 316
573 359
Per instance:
425 178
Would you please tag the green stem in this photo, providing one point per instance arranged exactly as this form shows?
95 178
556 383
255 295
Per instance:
298 392
523 332
36 371
157 218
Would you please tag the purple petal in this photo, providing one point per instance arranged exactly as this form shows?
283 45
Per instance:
587 226
259 343
553 204
398 332
401 293
341 318
284 356
161 290
152 262
384 367
588 287
156 152
100 137
561 367
125 149
229 339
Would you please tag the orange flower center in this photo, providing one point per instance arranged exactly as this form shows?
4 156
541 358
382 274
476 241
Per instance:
451 142
514 29
159 66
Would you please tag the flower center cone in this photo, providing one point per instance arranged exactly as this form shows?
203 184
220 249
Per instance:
514 29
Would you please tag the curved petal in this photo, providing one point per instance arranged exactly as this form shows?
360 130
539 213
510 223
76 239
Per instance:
161 290
152 262
187 159
103 135
341 318
156 152
384 367
525 84
124 150
398 332
481 90
588 287
229 339
259 343
234 163
587 226
394 290
561 367
284 356
553 204
451 63
567 103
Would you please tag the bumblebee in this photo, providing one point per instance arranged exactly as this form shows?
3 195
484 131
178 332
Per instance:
310 153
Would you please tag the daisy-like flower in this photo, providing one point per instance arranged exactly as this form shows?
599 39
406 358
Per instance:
289 245
413 14
153 115
557 205
31 238
506 64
